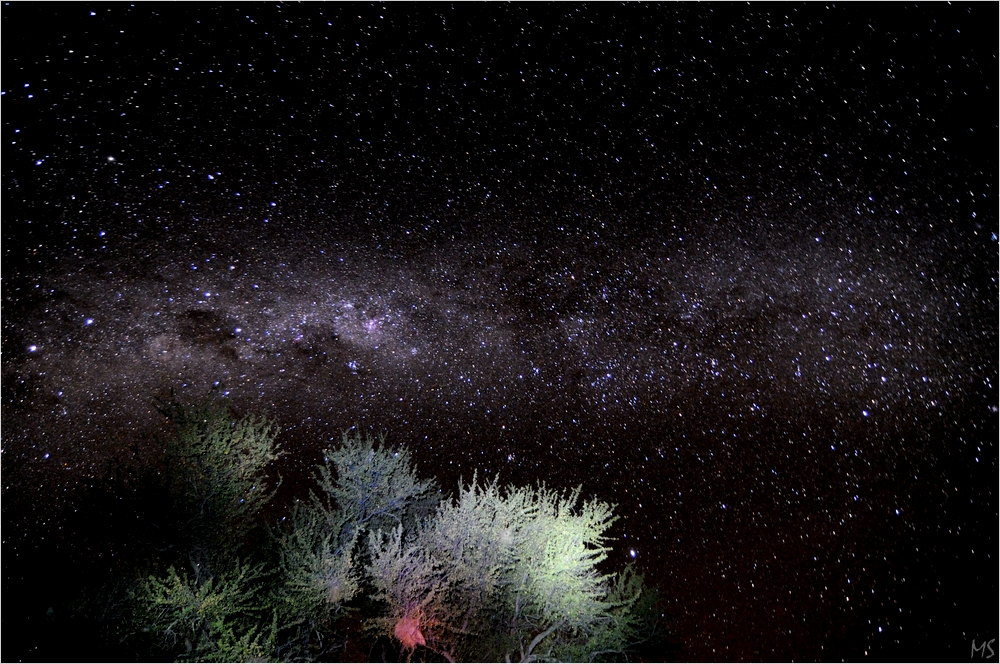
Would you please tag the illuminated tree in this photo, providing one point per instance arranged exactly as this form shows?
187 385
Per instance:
492 574
217 476
361 484
319 578
217 470
502 574
214 619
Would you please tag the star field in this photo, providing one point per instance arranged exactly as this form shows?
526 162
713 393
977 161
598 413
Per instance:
730 268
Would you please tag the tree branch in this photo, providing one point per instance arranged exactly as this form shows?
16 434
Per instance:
526 656
605 652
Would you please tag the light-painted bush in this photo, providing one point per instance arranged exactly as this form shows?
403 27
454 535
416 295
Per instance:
507 574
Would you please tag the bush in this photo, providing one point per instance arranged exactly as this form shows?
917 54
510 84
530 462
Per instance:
216 619
501 574
364 485
221 609
361 484
495 573
217 472
319 578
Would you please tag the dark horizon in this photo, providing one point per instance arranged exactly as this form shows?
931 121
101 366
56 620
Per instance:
732 268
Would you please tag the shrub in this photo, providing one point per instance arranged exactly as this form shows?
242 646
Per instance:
215 619
318 579
361 484
500 574
217 471
494 573
365 485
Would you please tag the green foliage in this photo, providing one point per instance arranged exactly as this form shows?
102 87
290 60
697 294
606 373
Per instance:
217 476
494 573
506 573
629 621
217 468
216 619
316 563
361 484
319 579
364 485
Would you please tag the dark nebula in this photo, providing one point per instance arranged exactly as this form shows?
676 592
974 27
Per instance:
732 268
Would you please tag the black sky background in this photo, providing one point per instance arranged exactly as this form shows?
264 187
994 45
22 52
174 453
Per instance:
731 267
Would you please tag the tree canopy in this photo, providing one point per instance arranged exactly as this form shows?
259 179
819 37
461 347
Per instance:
490 573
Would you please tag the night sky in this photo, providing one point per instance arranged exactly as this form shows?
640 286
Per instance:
732 268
